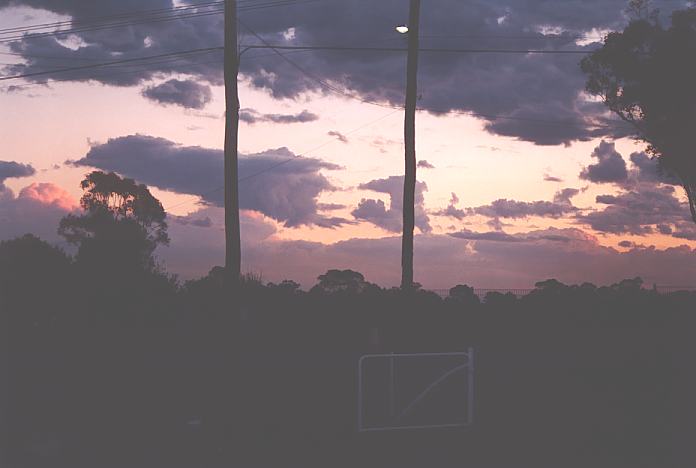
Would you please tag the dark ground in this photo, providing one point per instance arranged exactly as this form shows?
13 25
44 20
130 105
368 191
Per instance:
602 380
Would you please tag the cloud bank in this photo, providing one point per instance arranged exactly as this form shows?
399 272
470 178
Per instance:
277 183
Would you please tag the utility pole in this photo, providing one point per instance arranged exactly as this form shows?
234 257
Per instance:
409 218
233 253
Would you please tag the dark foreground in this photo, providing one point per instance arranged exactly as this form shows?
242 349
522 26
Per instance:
565 377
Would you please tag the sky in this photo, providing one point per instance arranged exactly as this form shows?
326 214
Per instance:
522 176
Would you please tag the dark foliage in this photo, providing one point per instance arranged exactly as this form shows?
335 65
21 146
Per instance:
646 74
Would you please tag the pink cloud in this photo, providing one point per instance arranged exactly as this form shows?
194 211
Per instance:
49 194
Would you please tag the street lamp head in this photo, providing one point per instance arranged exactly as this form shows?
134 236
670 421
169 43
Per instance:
403 29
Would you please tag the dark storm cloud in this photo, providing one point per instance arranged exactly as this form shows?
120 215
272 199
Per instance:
610 168
184 93
423 164
512 209
390 218
647 169
146 38
276 182
637 211
648 201
11 169
685 230
664 229
516 93
252 116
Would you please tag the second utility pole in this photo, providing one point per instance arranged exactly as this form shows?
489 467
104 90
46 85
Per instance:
409 219
233 252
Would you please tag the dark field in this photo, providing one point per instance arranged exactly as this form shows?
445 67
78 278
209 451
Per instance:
565 377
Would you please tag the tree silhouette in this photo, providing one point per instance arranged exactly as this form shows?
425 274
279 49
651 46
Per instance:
343 281
34 277
647 76
116 236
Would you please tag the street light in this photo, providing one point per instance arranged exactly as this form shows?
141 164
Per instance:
403 29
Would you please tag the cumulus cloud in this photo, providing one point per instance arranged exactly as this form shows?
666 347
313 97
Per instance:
647 203
513 209
49 194
503 208
391 218
37 209
252 116
452 211
277 183
516 94
188 93
610 168
637 211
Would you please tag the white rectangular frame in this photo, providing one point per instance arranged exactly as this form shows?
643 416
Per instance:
469 355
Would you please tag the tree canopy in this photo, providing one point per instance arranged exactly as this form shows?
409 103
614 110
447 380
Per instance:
646 74
121 226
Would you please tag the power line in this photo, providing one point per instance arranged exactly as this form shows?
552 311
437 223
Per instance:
277 48
110 26
316 79
139 14
422 49
106 64
65 32
96 20
186 13
142 67
50 57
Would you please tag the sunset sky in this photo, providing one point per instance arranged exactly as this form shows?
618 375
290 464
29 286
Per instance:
522 176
